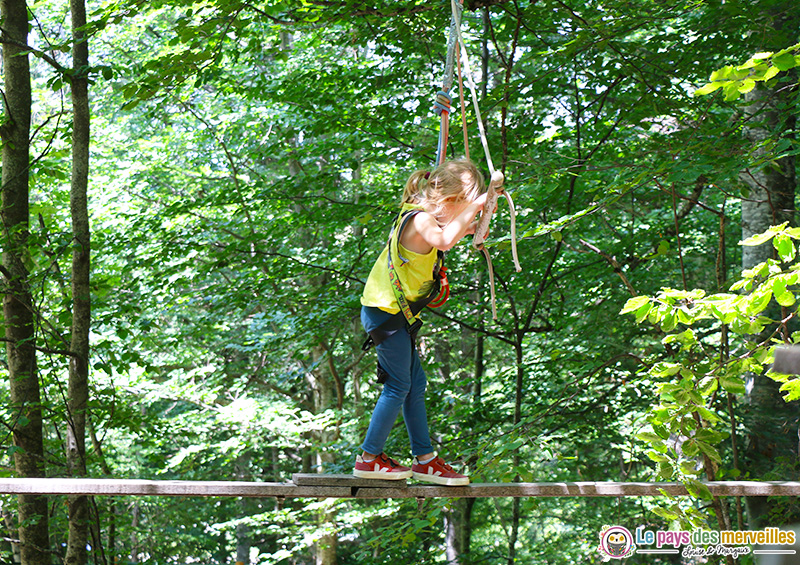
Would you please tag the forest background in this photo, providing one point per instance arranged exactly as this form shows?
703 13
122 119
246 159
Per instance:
234 168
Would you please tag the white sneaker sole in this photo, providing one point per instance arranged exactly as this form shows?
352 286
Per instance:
398 476
449 482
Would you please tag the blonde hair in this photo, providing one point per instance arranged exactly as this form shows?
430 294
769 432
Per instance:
450 182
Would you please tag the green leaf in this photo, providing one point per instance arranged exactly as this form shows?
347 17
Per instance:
661 430
708 386
733 384
690 448
657 457
708 88
758 301
785 247
689 468
792 390
754 61
633 304
746 85
759 238
666 470
785 298
664 513
724 73
784 61
770 73
670 322
698 489
642 313
709 451
707 414
710 436
682 397
731 91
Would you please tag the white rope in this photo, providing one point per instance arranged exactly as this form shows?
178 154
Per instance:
471 83
497 177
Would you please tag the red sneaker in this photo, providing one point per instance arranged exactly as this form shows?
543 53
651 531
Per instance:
382 467
439 472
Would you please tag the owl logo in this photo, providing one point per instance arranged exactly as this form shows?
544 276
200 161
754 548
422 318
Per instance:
616 542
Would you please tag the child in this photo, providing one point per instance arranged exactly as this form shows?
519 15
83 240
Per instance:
441 207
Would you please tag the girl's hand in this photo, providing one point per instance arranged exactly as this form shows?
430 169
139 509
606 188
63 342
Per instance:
480 201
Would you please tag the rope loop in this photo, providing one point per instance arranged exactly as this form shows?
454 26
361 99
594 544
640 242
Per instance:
442 103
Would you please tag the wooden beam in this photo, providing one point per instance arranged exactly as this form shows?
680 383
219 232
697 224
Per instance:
582 489
343 480
339 488
136 487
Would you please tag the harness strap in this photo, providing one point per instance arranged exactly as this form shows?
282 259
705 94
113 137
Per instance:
408 310
397 286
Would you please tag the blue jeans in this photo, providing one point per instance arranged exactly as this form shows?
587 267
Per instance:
404 388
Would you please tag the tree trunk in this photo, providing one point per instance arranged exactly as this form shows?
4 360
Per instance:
135 512
324 395
515 503
243 534
18 314
458 518
458 531
78 388
8 521
770 202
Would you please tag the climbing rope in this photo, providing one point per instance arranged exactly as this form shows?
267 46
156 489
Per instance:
442 108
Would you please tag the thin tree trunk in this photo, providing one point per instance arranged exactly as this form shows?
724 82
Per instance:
78 388
243 534
18 314
135 512
324 394
8 520
515 504
770 202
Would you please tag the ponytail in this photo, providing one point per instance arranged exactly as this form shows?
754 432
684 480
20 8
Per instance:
415 185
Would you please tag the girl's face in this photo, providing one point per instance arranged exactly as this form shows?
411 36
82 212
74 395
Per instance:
450 210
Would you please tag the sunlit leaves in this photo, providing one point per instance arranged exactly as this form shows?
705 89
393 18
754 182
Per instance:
761 67
688 424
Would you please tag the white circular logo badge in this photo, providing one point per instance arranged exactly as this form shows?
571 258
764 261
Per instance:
616 542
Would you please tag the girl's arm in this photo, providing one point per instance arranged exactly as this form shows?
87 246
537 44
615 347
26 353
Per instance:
424 232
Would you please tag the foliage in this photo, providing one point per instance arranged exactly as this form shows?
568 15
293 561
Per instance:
761 67
248 158
713 355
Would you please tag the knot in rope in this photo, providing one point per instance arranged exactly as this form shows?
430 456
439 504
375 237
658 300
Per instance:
442 103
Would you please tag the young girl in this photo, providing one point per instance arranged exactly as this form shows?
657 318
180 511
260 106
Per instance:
443 205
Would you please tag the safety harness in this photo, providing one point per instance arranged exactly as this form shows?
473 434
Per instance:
407 316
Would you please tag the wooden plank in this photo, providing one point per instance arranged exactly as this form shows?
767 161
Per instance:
343 480
520 490
581 489
135 487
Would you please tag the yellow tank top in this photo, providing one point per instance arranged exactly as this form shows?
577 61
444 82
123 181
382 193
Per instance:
416 274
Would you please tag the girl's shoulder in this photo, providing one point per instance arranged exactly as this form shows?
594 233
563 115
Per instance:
412 237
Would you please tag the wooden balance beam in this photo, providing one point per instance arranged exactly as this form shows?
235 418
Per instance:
347 486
